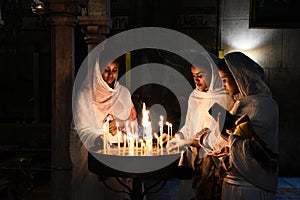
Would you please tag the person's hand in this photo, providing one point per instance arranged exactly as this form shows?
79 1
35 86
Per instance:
174 143
195 142
113 127
178 142
164 137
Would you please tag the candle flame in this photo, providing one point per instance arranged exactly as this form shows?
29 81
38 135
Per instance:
145 115
161 118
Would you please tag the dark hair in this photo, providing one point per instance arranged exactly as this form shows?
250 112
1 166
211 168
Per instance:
222 66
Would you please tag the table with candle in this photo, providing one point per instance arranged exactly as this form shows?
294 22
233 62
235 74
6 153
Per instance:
136 157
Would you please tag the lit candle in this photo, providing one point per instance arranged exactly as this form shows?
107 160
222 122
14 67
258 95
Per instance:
141 141
131 144
156 137
171 129
146 122
105 130
144 119
161 129
119 137
124 147
136 143
178 140
142 148
168 143
168 124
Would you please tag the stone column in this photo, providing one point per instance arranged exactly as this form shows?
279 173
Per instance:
62 18
94 22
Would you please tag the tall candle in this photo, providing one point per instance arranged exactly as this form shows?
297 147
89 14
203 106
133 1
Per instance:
178 140
168 124
124 147
105 130
119 137
161 129
136 143
131 144
157 139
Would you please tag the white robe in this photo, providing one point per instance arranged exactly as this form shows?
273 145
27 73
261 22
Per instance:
198 118
91 105
199 103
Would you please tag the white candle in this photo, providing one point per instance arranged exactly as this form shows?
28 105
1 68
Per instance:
168 124
178 140
161 129
157 139
142 148
131 145
136 136
105 130
119 137
171 127
124 147
141 141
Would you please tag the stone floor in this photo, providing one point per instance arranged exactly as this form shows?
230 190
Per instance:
288 189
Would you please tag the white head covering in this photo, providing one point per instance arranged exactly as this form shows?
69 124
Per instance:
200 102
248 74
255 101
94 101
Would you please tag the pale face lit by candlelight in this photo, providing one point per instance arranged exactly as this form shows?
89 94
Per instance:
199 79
110 74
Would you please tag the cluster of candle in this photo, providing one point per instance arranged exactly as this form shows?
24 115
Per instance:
132 144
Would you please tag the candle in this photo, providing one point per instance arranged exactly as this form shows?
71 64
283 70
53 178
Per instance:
119 137
161 129
147 130
131 144
168 143
105 130
178 140
136 143
148 148
141 141
156 137
168 124
142 148
124 147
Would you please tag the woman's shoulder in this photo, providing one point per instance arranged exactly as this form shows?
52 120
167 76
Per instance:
263 104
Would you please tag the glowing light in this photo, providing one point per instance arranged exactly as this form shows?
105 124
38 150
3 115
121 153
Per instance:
252 42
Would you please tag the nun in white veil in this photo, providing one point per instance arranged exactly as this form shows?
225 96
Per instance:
200 101
198 121
97 98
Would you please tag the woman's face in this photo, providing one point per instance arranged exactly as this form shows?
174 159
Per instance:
199 79
229 83
110 74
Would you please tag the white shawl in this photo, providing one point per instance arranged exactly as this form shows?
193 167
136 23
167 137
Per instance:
199 103
94 102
